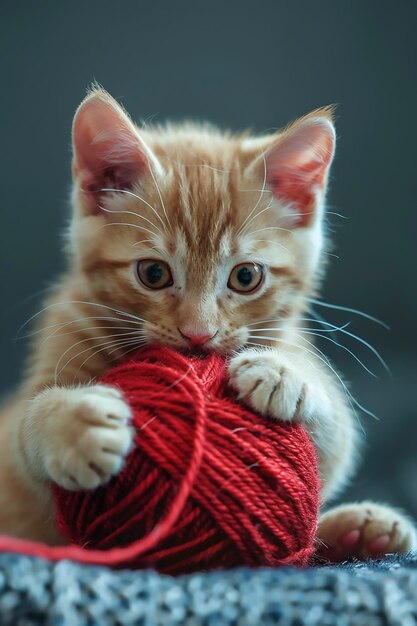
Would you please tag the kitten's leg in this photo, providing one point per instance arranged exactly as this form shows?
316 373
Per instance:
363 530
287 387
77 438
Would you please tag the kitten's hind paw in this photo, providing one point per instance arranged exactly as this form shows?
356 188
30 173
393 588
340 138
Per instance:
364 530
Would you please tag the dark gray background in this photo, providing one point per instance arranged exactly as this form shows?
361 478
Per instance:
238 64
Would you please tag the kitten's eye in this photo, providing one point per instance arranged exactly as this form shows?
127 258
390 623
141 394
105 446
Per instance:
246 277
154 274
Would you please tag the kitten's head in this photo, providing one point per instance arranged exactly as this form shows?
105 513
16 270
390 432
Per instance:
205 235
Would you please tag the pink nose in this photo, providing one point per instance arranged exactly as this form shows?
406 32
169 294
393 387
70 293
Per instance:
197 340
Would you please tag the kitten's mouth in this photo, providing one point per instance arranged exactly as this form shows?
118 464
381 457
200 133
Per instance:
209 349
198 350
189 348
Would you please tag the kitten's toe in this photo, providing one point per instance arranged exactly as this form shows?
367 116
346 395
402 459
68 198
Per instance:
107 391
364 530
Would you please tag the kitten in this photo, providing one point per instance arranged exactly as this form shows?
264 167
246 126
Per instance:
200 240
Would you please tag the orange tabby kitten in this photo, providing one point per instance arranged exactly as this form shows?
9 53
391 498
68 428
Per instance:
200 240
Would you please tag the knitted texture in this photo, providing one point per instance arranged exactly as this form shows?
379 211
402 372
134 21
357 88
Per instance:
209 484
35 592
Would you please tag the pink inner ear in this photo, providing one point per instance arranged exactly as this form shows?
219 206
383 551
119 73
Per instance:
297 166
298 186
111 177
108 152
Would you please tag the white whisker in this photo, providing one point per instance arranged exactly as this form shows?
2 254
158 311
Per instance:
137 344
255 189
265 321
138 243
131 225
133 341
258 201
109 342
135 347
86 302
62 325
78 330
343 347
359 339
79 320
259 230
297 328
130 193
294 214
318 334
343 330
142 217
338 307
159 194
349 396
119 336
325 323
275 243
254 217
210 167
137 226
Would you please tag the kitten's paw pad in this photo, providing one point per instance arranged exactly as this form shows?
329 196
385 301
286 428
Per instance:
365 530
272 386
89 438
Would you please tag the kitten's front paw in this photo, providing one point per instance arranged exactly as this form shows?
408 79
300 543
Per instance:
87 436
272 385
364 530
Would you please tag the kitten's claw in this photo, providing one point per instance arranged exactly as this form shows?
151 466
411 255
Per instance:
88 437
272 385
364 530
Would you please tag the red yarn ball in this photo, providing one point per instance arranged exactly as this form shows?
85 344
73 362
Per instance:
208 485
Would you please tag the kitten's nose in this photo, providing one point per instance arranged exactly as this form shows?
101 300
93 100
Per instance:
197 339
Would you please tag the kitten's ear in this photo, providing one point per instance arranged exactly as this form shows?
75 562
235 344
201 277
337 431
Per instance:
296 165
108 151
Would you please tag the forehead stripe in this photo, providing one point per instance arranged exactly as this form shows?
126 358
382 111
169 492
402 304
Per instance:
281 271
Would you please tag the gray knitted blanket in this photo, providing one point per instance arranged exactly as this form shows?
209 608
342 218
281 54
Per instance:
33 591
